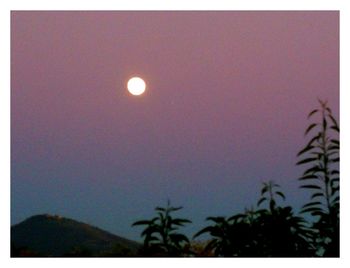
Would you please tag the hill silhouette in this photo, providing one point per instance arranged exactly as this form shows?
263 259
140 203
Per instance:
48 235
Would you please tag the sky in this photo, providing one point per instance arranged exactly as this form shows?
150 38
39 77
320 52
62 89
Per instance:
225 109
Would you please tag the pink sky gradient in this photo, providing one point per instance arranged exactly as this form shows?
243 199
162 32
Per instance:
226 106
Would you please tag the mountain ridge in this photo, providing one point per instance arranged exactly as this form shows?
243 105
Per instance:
54 235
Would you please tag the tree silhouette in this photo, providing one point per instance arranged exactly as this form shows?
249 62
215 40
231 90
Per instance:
160 235
321 155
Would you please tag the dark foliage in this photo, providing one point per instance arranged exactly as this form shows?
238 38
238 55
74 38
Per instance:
273 232
321 178
161 236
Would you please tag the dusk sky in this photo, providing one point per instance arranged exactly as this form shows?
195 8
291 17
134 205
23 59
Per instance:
225 109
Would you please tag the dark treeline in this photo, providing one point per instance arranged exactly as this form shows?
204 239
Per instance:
270 230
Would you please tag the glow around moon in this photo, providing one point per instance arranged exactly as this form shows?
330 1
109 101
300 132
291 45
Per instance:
136 86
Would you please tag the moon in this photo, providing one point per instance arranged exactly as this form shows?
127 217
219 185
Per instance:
136 86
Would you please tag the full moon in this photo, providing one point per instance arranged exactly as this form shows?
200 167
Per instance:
136 86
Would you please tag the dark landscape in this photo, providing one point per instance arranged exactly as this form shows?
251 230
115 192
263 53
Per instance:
55 236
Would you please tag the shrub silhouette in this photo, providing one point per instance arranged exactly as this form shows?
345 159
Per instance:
280 233
273 232
321 155
160 235
220 243
279 226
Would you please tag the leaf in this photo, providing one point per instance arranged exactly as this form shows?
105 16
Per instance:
208 229
305 149
329 110
142 222
308 177
180 221
307 160
333 147
335 128
261 200
312 112
333 153
312 204
150 230
335 123
317 195
310 128
310 145
264 189
335 141
236 217
281 195
315 138
174 208
216 219
311 187
313 169
334 160
150 238
318 213
312 209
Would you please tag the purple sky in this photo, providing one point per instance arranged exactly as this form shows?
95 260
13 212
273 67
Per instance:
225 109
